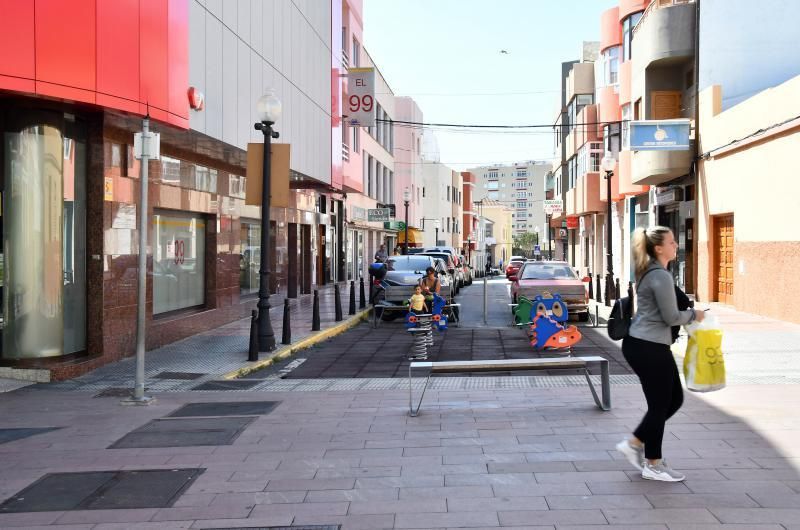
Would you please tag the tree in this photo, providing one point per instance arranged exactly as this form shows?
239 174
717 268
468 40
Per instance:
524 243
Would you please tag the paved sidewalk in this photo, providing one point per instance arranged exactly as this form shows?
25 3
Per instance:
519 458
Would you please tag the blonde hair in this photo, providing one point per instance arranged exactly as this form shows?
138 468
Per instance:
643 245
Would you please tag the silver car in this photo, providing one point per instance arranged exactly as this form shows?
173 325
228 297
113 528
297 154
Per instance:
405 272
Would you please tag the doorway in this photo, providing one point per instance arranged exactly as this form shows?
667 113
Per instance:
305 259
723 258
294 277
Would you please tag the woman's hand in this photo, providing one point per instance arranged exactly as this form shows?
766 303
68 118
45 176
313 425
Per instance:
699 315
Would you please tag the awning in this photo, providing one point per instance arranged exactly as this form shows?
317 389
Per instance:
414 236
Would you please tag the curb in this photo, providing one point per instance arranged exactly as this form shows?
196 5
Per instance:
287 351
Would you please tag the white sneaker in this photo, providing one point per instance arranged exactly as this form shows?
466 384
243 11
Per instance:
662 472
635 455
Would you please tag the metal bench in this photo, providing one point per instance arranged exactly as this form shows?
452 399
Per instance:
509 365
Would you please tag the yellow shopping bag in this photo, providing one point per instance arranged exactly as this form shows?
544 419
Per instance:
703 364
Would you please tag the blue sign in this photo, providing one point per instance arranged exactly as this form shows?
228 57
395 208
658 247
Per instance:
660 135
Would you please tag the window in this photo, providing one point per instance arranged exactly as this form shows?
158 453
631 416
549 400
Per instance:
250 257
356 58
179 261
572 172
610 59
492 174
627 35
589 158
626 126
237 186
356 139
612 137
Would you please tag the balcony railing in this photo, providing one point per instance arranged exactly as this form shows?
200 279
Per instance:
345 152
345 59
658 4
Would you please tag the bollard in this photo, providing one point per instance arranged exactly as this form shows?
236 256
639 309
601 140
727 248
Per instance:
252 352
616 289
337 303
591 291
286 337
630 290
352 310
362 301
315 312
598 291
609 286
596 315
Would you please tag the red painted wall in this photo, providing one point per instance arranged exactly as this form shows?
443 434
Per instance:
120 54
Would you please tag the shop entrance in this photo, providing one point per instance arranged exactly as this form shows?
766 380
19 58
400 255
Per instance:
723 259
43 228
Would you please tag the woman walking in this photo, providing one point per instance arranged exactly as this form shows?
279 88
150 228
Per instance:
647 349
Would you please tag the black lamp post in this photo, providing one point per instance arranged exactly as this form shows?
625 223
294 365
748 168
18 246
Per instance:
406 200
608 165
269 110
436 243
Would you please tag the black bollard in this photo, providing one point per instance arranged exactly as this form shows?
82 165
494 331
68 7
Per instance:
630 290
591 290
315 312
337 302
352 310
599 290
616 289
362 300
286 337
252 352
609 287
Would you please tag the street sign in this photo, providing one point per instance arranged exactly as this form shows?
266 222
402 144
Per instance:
553 206
394 225
147 144
360 105
660 135
378 214
279 174
537 251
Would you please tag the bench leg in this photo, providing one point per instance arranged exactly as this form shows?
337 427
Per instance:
411 410
605 402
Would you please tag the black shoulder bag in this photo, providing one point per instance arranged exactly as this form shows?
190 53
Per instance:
621 313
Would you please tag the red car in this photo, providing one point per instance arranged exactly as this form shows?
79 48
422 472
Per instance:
512 268
554 277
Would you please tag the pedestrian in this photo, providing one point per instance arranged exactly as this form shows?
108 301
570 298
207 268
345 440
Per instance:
430 284
647 349
381 256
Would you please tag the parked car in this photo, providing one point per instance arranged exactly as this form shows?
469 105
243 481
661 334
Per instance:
513 267
554 277
404 273
465 271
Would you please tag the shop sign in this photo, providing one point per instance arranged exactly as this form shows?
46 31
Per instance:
669 196
378 214
278 177
391 207
553 206
108 189
360 104
572 223
358 213
660 135
394 225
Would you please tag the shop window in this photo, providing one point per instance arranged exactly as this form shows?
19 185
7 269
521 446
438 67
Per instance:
179 261
250 257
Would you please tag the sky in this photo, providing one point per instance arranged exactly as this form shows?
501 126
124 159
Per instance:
446 54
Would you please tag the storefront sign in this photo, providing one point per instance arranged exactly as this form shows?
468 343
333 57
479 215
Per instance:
378 214
360 105
660 135
279 174
358 213
668 196
108 189
394 225
553 206
391 207
572 223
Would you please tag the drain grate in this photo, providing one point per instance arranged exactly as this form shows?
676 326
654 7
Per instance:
184 433
102 490
9 435
227 408
183 376
228 384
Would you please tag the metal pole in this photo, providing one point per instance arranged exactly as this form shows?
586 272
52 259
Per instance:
436 243
485 298
609 250
266 336
138 387
405 245
549 245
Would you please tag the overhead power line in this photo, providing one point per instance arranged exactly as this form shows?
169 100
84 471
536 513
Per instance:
484 126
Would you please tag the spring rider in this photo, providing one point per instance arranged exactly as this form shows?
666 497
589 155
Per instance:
437 315
547 331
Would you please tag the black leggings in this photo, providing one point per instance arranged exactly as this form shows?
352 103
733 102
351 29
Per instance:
655 366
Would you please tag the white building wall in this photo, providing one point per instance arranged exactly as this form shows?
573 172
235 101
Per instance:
238 48
436 177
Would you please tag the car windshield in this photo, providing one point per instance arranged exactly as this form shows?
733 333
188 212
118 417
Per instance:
546 271
408 263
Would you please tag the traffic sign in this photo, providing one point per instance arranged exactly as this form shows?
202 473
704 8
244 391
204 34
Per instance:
553 206
378 214
537 251
360 105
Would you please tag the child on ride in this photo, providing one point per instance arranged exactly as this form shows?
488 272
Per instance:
417 301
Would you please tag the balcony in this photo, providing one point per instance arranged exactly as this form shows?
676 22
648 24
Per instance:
584 198
656 167
665 34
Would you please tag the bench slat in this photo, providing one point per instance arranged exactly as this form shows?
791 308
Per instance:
501 365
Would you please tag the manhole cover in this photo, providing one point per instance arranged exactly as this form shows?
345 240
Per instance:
9 435
184 433
230 408
228 384
185 376
102 490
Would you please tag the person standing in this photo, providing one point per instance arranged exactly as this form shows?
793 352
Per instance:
647 350
381 255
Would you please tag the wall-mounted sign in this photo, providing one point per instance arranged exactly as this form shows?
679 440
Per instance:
391 207
359 109
108 188
394 225
660 135
562 233
378 214
572 223
358 213
553 206
668 196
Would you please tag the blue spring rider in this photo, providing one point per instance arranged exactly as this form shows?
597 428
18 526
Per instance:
547 315
437 315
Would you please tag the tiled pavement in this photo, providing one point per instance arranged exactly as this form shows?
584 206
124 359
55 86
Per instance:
521 458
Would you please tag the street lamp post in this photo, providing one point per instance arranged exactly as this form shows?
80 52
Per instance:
406 199
607 165
537 230
268 108
549 244
437 225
